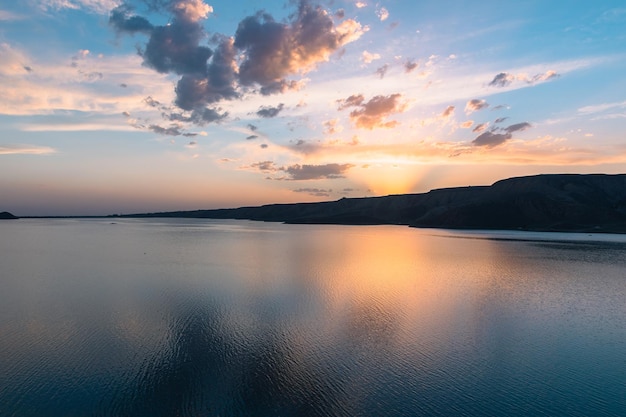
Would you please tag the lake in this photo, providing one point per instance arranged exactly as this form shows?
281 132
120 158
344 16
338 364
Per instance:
191 317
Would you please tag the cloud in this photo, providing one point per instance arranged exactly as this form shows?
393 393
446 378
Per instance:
449 111
10 16
368 57
97 6
599 108
475 105
332 126
467 124
360 4
316 192
383 14
500 119
382 71
262 52
122 20
272 50
518 127
372 114
315 172
353 100
176 48
13 149
168 131
505 79
252 137
269 112
502 80
409 66
265 166
497 136
297 172
481 127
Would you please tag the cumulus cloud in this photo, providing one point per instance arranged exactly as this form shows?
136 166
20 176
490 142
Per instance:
122 19
383 14
497 136
273 50
176 48
368 57
263 52
475 105
373 113
268 112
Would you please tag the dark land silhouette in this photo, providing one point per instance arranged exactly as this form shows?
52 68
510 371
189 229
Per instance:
553 202
5 215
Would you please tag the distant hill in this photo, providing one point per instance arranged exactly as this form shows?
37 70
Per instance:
555 202
5 215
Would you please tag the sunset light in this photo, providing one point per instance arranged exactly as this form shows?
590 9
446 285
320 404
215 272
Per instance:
190 100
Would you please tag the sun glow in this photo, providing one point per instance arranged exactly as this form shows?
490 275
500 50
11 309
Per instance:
390 176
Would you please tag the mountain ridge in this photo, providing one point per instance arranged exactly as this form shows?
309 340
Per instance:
545 202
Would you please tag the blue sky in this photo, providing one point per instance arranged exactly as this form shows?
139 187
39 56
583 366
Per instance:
149 105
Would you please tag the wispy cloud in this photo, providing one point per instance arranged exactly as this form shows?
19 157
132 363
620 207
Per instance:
7 16
15 149
599 108
97 6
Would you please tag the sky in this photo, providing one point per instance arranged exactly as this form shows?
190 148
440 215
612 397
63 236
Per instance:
126 106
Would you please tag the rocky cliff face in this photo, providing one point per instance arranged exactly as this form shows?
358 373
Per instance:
564 202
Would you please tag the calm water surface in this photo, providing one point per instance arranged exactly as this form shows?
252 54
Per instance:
217 318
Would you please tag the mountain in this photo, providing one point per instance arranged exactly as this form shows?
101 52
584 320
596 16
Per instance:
554 202
5 215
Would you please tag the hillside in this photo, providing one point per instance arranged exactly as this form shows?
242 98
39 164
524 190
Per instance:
555 202
5 215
